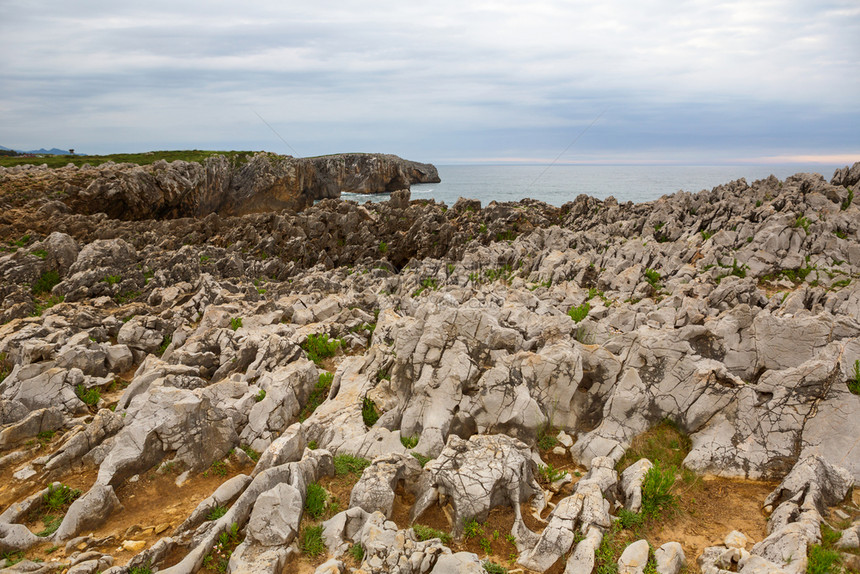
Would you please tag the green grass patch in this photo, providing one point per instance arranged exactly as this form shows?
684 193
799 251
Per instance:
319 347
802 223
47 281
260 395
216 512
657 497
854 382
426 533
40 305
409 441
348 464
312 541
421 458
90 397
369 412
821 560
165 342
665 443
317 396
492 568
252 454
236 323
357 552
428 283
51 523
847 201
59 497
315 499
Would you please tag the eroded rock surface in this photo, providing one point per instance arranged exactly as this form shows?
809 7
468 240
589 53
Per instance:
179 348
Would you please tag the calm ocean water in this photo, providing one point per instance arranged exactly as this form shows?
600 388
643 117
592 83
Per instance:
561 183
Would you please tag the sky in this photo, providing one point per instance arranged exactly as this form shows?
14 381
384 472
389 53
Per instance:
616 81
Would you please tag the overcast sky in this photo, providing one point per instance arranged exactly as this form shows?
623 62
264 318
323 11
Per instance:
444 81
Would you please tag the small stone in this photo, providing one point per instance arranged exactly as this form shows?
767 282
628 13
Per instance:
841 514
161 528
559 451
735 539
24 473
133 545
180 480
634 558
134 478
565 439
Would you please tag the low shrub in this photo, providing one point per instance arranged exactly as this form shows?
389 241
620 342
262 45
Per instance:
319 347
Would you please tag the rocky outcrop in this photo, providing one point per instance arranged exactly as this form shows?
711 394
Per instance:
462 334
219 184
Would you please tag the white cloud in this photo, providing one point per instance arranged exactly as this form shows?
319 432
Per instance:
348 72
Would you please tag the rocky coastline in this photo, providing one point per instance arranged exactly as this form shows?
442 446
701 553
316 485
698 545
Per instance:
219 375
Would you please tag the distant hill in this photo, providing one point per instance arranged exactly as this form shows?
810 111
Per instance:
43 151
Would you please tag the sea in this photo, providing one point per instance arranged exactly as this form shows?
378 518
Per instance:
558 184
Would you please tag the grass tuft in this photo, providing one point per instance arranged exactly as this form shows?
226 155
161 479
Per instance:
312 541
426 533
315 499
347 464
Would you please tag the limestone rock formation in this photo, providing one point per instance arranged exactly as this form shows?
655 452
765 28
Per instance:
416 368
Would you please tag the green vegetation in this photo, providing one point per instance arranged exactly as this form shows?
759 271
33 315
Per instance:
579 313
369 412
146 158
315 499
421 458
51 523
472 529
5 367
319 347
840 234
652 277
357 552
40 253
847 201
252 454
825 558
802 222
90 397
426 533
794 275
260 395
549 474
112 279
11 557
42 305
164 344
216 513
706 235
46 282
236 323
545 438
657 498
347 464
493 568
665 442
312 542
56 501
854 383
219 467
427 283
219 557
736 270
145 569
409 441
383 247
318 395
